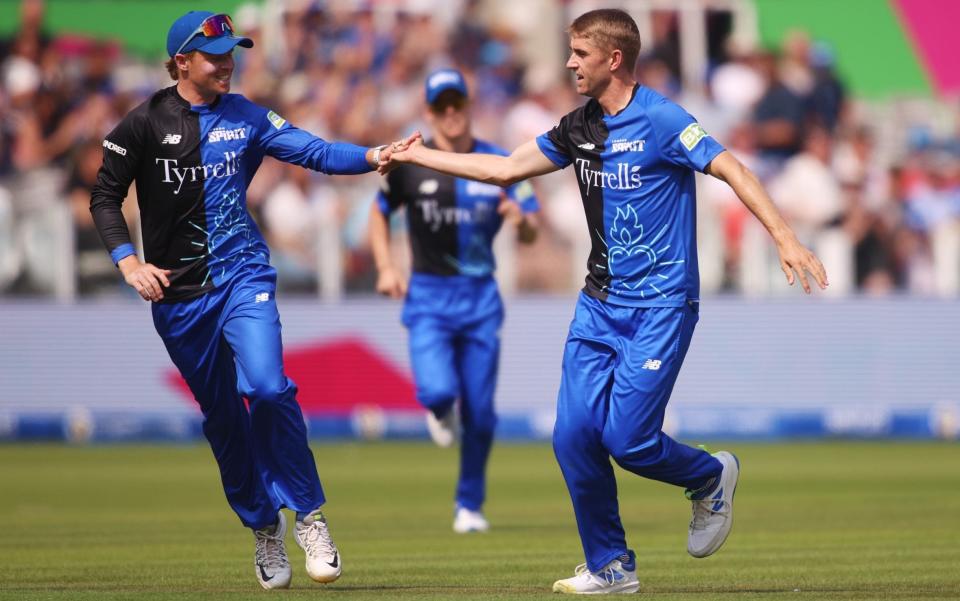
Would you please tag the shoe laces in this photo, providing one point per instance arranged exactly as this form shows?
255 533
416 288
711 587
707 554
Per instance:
705 508
316 538
607 574
270 551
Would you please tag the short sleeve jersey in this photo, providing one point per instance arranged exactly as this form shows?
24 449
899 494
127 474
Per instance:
452 221
635 170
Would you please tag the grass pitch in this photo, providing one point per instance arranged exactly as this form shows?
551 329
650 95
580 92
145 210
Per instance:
813 521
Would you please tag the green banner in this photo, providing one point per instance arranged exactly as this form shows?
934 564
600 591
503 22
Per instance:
140 25
874 56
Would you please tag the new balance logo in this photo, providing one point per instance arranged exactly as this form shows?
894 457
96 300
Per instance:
587 146
171 139
653 364
262 297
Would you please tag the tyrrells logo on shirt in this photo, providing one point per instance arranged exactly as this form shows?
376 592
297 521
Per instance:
626 176
436 216
177 175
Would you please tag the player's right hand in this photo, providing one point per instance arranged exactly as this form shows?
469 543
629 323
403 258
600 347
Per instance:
146 278
391 283
796 257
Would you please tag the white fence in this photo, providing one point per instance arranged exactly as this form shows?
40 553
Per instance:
806 367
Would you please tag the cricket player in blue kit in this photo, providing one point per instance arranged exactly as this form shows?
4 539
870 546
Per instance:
452 309
192 149
634 154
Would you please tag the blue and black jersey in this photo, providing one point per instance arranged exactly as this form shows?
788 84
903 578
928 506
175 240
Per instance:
635 171
192 165
452 221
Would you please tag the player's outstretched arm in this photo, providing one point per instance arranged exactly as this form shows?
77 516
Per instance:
794 257
390 282
525 162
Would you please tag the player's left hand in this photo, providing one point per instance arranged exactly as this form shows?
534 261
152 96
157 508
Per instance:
391 283
795 257
509 211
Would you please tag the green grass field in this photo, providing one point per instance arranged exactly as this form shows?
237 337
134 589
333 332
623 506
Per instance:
813 521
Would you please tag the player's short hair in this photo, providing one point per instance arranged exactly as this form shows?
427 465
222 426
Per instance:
609 29
171 66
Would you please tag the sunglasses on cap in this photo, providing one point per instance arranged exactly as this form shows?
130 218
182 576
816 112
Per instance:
452 99
211 27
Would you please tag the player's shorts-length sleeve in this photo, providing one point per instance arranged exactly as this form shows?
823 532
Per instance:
555 144
681 139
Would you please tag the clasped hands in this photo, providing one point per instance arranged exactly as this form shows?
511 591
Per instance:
395 153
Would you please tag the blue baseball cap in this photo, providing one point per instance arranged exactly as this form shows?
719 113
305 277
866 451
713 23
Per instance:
442 80
206 31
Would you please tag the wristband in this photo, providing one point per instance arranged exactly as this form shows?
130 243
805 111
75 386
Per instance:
376 154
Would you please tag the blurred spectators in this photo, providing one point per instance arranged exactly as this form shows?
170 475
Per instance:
881 208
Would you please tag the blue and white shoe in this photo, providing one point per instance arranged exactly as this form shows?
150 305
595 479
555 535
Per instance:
713 514
618 576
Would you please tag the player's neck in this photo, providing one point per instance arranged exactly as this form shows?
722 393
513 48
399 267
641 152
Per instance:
462 144
193 94
617 94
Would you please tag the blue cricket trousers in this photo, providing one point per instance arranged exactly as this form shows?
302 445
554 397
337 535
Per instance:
619 368
454 324
227 346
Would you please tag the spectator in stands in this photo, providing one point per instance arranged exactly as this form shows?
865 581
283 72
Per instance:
778 115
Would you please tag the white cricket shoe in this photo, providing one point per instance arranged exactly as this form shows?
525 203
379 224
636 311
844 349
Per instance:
270 558
466 520
618 576
323 558
713 515
444 431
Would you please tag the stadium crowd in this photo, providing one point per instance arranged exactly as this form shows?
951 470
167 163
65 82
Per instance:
872 188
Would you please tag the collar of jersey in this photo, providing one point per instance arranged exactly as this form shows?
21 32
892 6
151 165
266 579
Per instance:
197 108
633 95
